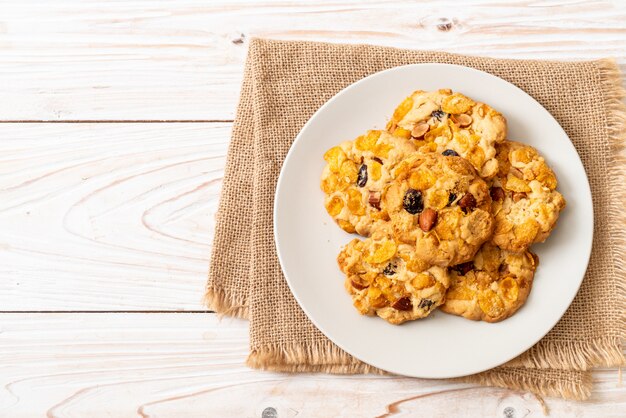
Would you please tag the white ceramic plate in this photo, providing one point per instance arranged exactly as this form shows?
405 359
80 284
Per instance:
442 345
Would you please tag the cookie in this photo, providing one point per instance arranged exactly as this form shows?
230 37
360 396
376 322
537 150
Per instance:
493 286
526 204
441 121
354 176
441 206
385 278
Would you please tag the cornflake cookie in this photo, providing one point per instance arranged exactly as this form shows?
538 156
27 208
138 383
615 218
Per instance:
492 287
355 175
385 278
526 205
441 121
439 204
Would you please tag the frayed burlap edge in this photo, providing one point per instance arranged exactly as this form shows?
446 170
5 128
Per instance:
320 358
225 304
572 355
602 352
614 95
315 357
577 390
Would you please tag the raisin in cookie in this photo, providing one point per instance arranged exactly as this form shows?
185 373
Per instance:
441 206
493 286
385 278
526 205
441 121
354 177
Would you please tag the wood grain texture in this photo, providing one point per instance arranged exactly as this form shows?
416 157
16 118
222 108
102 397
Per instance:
119 216
191 365
183 60
107 216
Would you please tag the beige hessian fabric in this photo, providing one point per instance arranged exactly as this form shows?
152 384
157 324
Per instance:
286 82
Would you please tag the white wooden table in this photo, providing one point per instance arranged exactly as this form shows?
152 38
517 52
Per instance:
115 120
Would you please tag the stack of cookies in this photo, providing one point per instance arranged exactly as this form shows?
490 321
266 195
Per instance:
447 208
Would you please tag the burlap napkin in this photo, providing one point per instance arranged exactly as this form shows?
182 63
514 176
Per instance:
286 82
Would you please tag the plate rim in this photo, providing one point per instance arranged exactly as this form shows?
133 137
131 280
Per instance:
298 138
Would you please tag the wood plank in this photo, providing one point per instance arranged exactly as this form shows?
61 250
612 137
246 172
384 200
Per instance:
137 60
192 365
107 216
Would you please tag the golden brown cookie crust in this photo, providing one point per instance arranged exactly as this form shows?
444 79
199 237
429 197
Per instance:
526 205
449 190
385 278
442 120
493 286
355 175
